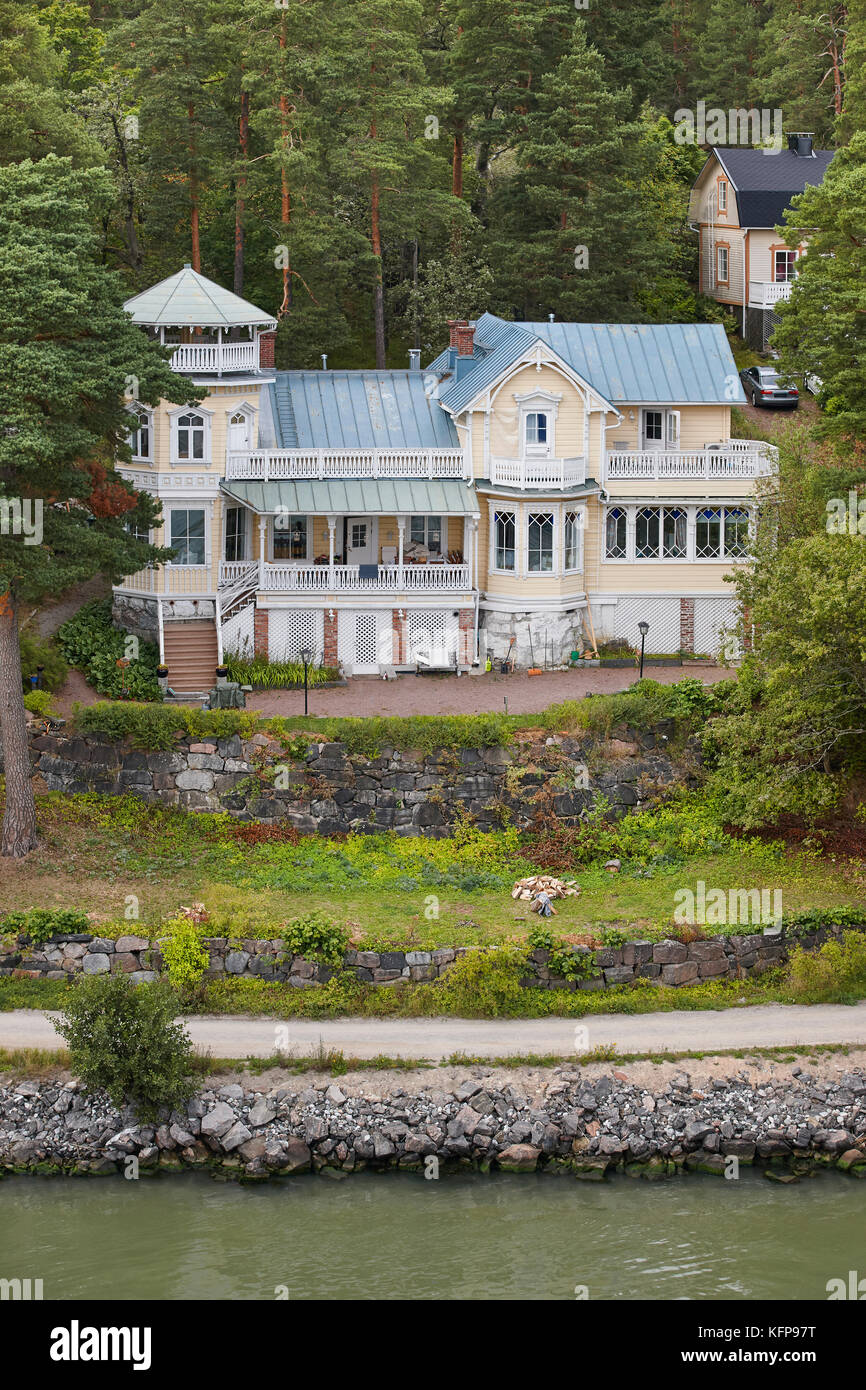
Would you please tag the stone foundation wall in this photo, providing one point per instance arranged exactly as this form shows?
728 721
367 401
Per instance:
562 632
664 963
137 615
334 792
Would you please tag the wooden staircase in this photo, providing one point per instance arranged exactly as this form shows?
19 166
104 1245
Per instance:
191 655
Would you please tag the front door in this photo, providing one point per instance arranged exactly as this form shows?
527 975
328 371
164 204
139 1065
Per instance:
360 540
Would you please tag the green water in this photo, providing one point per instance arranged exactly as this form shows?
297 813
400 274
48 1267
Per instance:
380 1237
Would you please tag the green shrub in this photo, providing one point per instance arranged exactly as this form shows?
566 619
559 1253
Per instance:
276 675
123 1039
316 938
183 954
39 702
90 641
835 974
40 923
36 651
564 963
484 984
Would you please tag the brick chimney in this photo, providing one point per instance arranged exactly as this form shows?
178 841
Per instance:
454 326
267 342
465 339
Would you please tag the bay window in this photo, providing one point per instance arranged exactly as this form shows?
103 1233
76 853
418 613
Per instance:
571 540
504 538
539 542
615 534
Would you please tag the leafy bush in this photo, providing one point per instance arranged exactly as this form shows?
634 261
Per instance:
276 675
836 974
564 963
484 984
183 954
40 923
38 652
122 1039
38 702
90 641
316 938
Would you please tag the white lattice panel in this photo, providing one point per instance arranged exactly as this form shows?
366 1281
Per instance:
364 639
713 616
238 632
433 635
292 629
663 616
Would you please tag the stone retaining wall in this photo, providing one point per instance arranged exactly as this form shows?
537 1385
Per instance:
331 791
670 962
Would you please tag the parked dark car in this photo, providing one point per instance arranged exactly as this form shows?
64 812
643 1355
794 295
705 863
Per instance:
763 387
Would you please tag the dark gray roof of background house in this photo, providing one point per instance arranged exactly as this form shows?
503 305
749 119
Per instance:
766 183
357 410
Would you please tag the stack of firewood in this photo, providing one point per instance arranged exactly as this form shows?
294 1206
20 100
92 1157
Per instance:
527 889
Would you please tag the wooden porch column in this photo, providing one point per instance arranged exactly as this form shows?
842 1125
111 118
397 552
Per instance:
263 532
401 531
219 351
332 528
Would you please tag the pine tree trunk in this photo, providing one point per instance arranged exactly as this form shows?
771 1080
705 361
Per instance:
457 163
240 196
378 290
193 193
19 818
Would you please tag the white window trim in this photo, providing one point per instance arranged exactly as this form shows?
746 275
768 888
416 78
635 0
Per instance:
554 510
514 510
580 513
723 203
135 410
189 505
546 403
723 280
207 416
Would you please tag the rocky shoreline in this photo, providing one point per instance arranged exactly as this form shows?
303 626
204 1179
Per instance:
586 1122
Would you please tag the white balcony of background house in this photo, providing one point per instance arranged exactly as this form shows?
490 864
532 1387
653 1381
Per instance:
763 294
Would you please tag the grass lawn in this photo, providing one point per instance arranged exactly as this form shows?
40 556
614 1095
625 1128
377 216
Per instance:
113 857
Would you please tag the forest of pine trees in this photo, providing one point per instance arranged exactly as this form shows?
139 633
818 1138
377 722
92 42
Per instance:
366 168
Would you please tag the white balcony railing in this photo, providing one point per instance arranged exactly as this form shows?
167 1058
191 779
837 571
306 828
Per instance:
737 458
276 465
538 473
347 578
763 294
216 357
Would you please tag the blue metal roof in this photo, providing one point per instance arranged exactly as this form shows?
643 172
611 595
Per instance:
358 410
687 363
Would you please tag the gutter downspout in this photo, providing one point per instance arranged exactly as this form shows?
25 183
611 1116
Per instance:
745 278
475 653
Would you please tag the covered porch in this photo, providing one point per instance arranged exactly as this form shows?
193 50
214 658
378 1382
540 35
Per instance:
337 537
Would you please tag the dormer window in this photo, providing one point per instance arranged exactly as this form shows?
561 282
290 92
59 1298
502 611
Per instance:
536 428
141 435
190 437
538 413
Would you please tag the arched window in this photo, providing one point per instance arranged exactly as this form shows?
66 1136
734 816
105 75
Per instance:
190 437
141 434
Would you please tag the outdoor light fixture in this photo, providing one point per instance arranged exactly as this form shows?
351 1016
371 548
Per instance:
306 657
643 629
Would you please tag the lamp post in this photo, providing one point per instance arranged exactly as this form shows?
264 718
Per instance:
643 629
306 657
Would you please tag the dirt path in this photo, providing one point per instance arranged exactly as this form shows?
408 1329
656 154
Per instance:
764 1025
